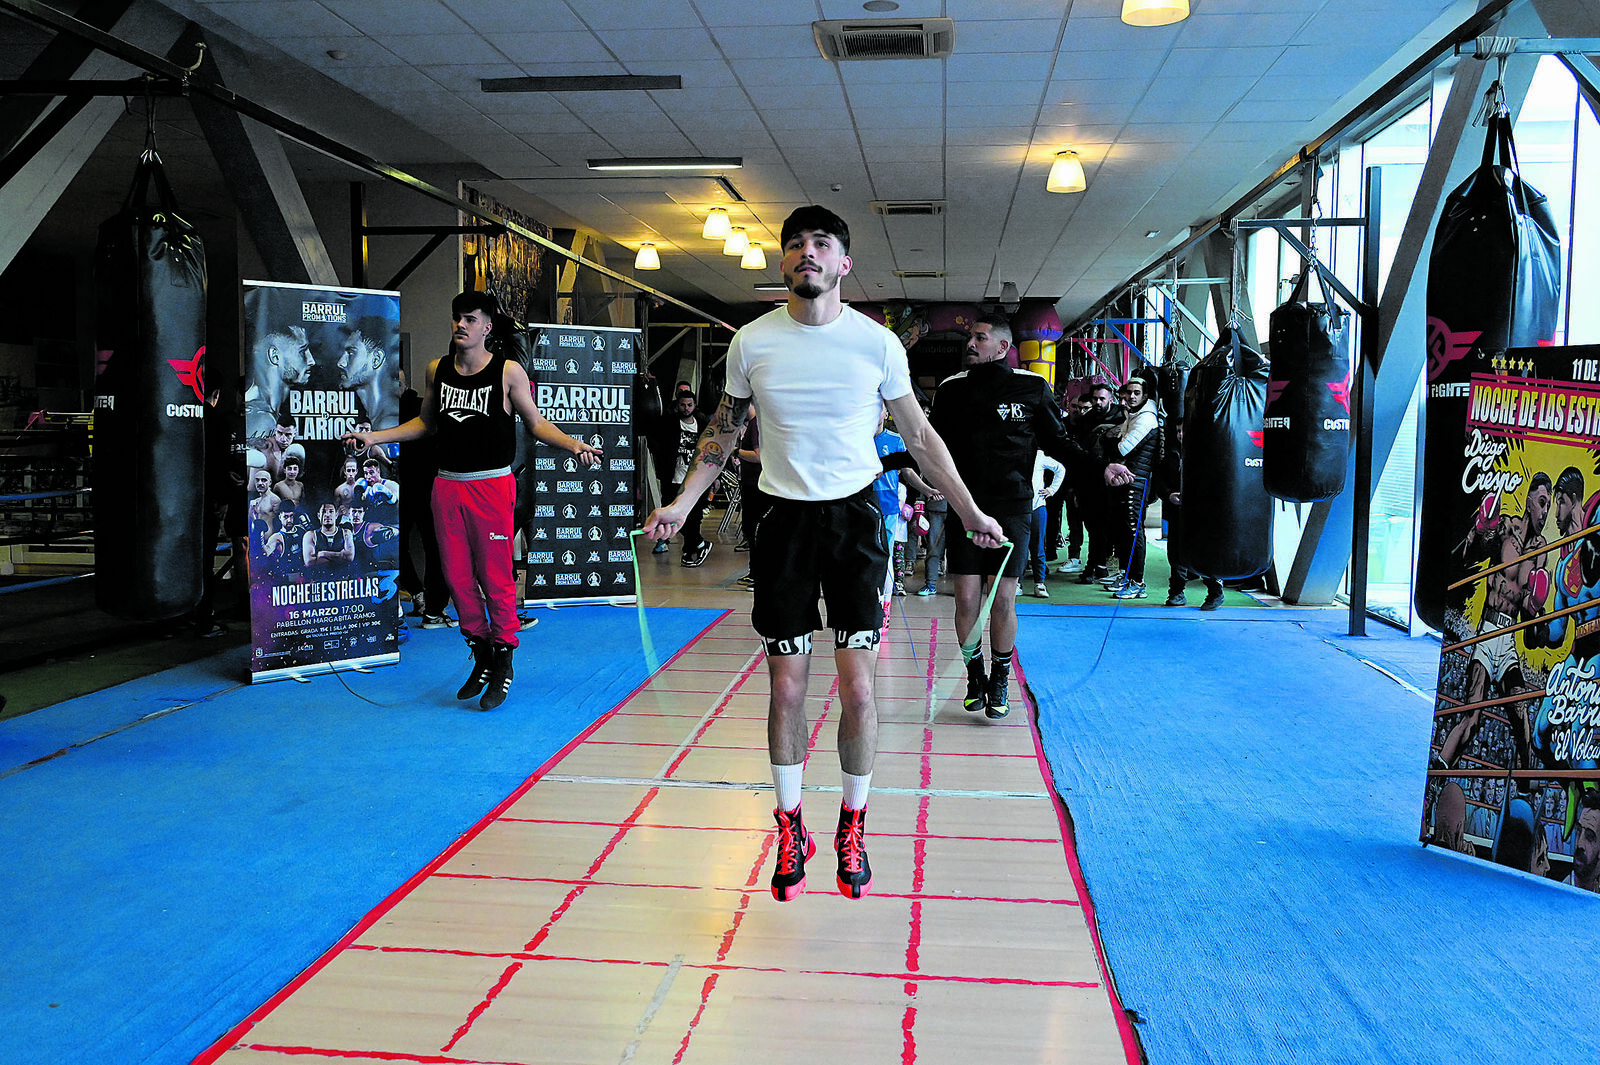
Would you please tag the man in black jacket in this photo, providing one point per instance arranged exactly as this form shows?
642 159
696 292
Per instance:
1089 483
672 444
994 420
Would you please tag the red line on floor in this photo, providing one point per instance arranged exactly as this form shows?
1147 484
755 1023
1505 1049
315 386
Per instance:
1130 1041
908 1026
477 1011
594 866
744 675
726 945
378 1055
234 1034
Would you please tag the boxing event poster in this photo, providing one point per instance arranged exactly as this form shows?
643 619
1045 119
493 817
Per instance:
578 544
1514 763
324 521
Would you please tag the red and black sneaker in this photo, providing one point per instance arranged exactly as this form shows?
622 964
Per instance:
795 845
855 874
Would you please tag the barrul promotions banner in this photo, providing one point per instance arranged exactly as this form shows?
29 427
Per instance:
1514 765
579 547
324 520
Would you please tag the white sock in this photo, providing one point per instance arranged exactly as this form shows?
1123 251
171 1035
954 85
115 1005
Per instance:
855 790
786 782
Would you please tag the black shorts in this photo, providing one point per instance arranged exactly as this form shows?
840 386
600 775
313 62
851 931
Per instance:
836 549
964 556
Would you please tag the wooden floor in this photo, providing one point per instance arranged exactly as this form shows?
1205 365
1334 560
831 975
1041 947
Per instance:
616 909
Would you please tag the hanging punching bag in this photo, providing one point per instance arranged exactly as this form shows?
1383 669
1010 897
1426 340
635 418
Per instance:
149 406
1172 378
1306 426
1226 514
1494 282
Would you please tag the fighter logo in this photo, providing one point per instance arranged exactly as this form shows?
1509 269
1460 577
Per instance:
1445 347
569 511
543 341
1009 412
568 558
1341 389
1275 388
1256 436
572 365
189 373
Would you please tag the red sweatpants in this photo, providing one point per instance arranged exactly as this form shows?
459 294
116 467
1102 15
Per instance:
473 520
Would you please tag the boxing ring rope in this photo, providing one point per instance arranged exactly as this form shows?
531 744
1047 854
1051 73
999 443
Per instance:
45 538
1459 707
1447 648
1564 541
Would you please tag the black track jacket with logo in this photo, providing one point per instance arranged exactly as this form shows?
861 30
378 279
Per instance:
993 419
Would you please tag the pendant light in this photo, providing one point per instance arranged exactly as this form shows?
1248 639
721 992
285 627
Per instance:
1154 12
647 259
1066 174
717 224
754 257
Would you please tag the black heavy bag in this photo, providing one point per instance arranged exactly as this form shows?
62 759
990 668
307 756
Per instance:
1226 515
1306 426
1171 379
149 424
1494 282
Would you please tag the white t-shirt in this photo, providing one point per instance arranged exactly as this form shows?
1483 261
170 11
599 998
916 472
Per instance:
818 388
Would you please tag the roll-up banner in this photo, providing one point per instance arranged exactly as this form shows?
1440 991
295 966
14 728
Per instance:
1514 763
323 519
578 545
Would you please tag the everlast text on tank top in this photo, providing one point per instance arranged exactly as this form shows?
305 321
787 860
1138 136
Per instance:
475 434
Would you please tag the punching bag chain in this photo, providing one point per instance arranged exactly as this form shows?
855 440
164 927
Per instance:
149 118
1233 281
1494 101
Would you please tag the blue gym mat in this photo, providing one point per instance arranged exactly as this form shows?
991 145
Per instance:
199 842
1246 791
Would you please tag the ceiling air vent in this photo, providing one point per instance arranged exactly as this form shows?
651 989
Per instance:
927 38
899 208
917 275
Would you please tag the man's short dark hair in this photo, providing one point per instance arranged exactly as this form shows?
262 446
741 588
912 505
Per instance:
471 300
815 218
371 461
1095 386
1570 483
999 325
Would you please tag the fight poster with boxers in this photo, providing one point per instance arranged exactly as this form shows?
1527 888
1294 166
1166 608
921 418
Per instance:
1514 764
324 520
579 545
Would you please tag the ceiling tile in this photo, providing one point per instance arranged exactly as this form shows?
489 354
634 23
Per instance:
574 46
1007 37
661 46
607 14
509 16
274 20
1032 66
764 42
399 17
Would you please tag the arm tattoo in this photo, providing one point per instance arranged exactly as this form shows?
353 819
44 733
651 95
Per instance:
730 414
711 454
